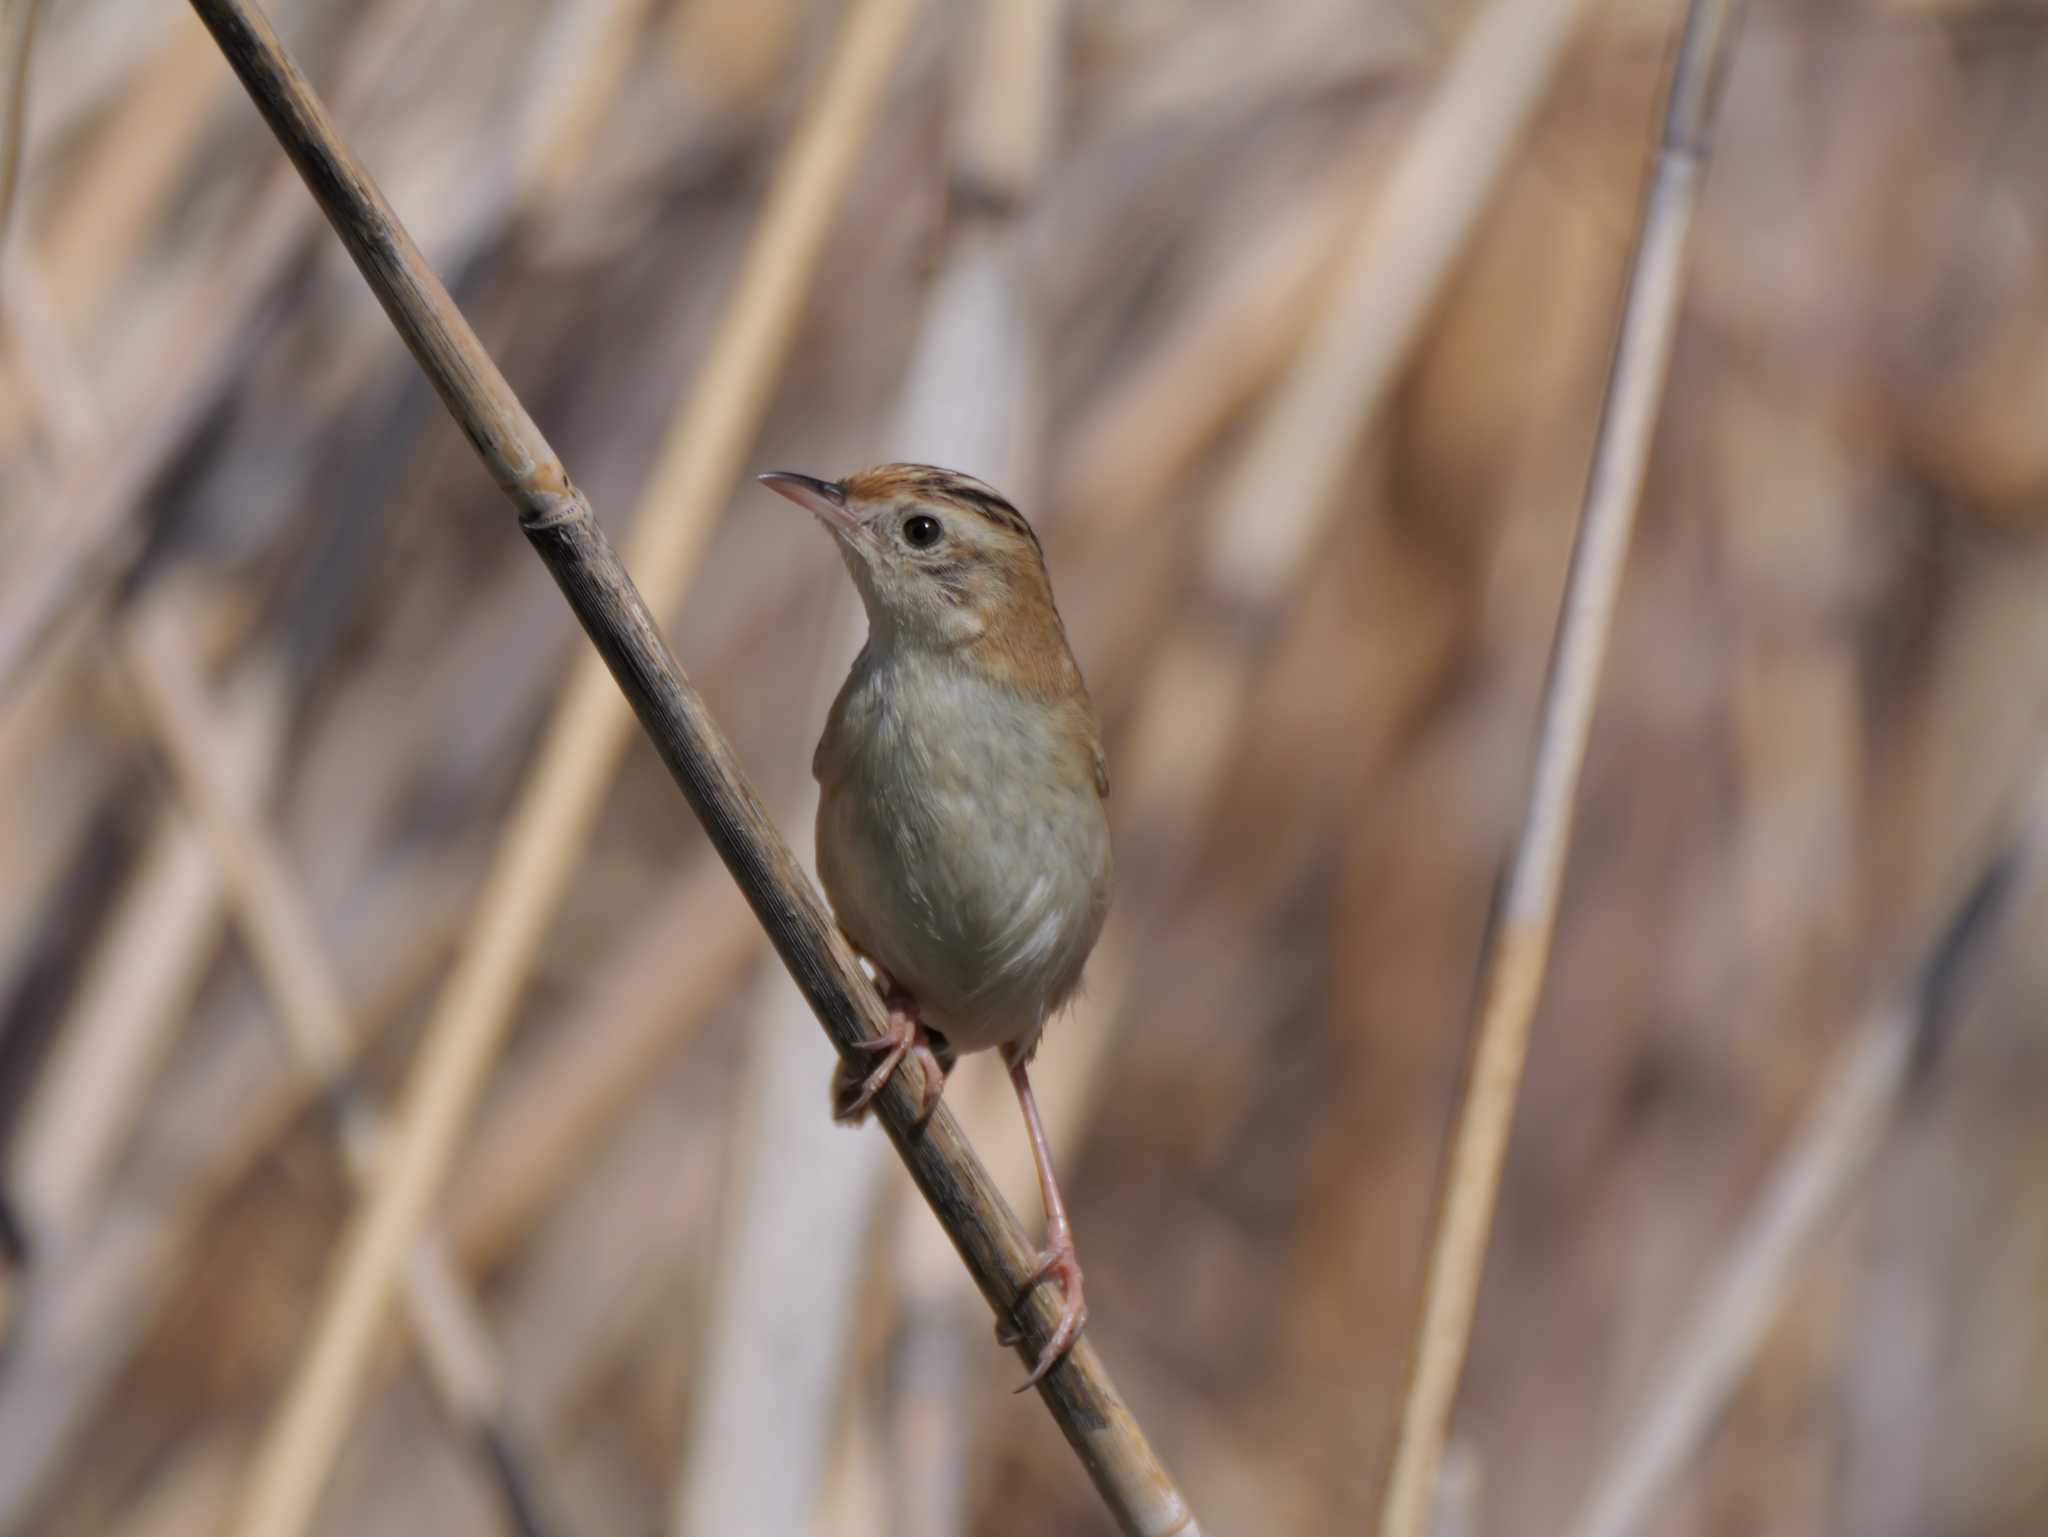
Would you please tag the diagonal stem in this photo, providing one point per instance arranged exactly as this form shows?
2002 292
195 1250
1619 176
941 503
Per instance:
1517 949
558 521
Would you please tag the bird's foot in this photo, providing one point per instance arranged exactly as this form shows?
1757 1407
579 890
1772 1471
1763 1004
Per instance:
1059 1262
853 1092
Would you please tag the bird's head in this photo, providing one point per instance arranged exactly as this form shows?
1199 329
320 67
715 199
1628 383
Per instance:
940 559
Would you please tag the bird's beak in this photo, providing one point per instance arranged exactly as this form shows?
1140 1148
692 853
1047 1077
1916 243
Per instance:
825 498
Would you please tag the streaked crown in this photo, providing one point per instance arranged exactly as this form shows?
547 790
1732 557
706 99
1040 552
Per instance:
928 482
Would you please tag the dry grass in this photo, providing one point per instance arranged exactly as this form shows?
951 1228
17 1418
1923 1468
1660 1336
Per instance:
1815 717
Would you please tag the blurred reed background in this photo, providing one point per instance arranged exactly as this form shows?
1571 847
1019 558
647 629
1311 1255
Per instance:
275 672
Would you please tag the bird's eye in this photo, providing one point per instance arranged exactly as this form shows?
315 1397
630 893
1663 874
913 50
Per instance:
921 530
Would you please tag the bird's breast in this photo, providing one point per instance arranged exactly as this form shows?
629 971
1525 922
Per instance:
963 844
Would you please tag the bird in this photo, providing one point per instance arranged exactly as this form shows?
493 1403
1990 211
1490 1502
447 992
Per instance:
962 836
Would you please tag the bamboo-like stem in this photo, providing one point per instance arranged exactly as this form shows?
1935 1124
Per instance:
1819 1170
1517 948
305 988
299 1448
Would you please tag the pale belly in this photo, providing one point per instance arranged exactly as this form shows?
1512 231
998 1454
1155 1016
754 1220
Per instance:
980 881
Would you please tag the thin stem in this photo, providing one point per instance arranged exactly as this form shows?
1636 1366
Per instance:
1517 950
558 521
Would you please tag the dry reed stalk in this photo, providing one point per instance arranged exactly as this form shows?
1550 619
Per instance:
299 1447
1516 949
1826 1161
104 495
277 924
591 728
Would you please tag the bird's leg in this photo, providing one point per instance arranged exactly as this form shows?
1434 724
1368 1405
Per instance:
1057 1259
904 1037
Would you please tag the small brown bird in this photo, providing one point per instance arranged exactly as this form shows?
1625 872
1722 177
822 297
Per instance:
961 832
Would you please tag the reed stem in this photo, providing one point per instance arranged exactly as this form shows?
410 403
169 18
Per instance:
1517 950
558 521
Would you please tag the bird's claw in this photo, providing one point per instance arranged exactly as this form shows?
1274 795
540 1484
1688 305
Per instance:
1057 1262
853 1092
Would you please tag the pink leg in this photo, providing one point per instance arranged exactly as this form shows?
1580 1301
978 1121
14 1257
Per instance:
905 1036
1058 1259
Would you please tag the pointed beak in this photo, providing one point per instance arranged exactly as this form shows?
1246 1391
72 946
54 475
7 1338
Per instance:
825 498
